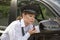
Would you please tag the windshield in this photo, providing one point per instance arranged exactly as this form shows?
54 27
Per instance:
57 2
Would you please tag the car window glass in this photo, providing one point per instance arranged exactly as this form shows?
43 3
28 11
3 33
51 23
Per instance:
47 13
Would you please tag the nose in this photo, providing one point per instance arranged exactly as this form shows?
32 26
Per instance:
33 18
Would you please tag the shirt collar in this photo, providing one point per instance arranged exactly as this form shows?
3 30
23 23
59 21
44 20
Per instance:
22 23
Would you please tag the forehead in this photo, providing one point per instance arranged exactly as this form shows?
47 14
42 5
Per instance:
29 13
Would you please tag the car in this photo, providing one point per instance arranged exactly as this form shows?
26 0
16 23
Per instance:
49 9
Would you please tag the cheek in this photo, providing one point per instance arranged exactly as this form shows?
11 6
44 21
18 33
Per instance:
30 20
27 18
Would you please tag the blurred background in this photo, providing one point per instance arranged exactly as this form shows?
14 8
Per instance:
49 10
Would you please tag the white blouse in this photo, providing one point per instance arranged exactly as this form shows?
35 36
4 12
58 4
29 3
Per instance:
14 32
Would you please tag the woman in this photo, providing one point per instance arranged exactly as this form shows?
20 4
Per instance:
22 28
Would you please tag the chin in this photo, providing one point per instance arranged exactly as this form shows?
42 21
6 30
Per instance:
30 23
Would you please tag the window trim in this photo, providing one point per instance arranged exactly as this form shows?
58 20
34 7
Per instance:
50 8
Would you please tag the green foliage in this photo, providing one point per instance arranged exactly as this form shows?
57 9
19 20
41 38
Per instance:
4 10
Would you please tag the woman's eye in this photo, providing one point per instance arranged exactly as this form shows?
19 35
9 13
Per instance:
30 16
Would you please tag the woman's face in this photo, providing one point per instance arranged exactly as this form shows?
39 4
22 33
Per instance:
29 18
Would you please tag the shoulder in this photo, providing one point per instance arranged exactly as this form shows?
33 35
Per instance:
12 26
15 22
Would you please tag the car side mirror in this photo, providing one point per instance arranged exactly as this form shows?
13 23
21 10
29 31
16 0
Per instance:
49 25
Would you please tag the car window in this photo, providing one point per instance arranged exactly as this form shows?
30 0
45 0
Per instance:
57 2
47 13
4 12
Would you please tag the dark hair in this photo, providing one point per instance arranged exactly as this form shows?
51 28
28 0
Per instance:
32 8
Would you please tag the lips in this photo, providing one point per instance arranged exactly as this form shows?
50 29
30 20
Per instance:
31 21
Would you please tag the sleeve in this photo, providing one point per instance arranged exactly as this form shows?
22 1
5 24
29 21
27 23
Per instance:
5 37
